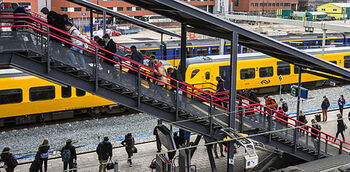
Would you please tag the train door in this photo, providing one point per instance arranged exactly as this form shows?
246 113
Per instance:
189 52
206 79
225 75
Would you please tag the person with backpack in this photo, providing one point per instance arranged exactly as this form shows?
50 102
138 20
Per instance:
9 160
284 105
325 105
129 143
104 152
69 155
302 119
75 32
270 102
44 154
341 103
340 127
315 130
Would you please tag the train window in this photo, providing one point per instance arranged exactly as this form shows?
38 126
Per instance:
194 73
265 72
334 62
228 50
248 73
80 92
177 53
346 61
202 51
41 93
214 51
10 96
66 91
283 68
207 75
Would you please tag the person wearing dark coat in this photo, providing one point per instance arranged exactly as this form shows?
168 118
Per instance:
129 143
44 154
104 152
18 12
176 75
340 127
341 103
7 157
315 131
111 47
72 155
99 41
325 104
136 55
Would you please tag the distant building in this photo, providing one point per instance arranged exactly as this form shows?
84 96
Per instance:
262 7
337 10
311 5
34 5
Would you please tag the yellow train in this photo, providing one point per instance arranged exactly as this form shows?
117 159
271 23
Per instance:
257 70
22 95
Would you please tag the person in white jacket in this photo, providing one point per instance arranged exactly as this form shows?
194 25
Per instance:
75 32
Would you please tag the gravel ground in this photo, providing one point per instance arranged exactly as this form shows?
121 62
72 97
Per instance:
87 133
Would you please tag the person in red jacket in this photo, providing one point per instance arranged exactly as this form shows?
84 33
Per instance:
271 103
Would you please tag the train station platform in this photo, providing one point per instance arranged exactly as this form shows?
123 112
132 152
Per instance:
146 153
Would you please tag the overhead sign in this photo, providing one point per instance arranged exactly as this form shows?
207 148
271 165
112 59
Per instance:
304 93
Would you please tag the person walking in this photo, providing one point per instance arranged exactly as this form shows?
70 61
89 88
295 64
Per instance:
221 147
270 102
75 32
112 48
44 154
340 127
284 105
325 105
9 160
341 103
136 55
315 130
69 155
159 67
159 144
302 119
129 143
104 152
220 88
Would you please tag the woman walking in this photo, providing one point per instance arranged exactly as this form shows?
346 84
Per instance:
130 148
341 103
340 127
44 154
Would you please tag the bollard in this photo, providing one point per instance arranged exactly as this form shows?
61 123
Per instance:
116 166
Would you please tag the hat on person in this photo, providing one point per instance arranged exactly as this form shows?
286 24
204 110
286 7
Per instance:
69 141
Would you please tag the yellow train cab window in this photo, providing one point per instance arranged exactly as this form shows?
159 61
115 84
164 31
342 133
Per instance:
66 91
248 73
194 73
80 92
41 93
10 96
283 68
346 61
265 72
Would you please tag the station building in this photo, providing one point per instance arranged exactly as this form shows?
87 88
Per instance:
311 5
263 7
337 10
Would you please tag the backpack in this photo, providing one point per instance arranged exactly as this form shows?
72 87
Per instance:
35 166
285 106
66 155
12 162
274 102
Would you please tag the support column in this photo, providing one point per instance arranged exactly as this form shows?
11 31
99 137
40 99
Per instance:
233 92
222 47
323 41
211 157
104 22
298 108
91 23
183 49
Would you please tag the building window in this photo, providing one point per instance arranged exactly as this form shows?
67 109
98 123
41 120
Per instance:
277 4
128 8
120 8
66 91
252 4
261 4
334 9
265 72
138 8
265 4
77 9
269 4
236 3
80 92
346 61
256 4
273 4
41 93
110 8
283 68
10 96
248 73
64 9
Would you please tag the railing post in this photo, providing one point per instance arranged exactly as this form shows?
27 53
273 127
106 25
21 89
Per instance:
177 101
241 119
326 146
211 116
138 86
96 68
341 147
48 50
270 125
307 135
260 115
319 145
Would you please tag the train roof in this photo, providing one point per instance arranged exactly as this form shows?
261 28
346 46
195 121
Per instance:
6 73
255 56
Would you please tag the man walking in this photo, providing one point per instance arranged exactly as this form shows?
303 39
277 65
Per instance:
341 103
104 152
69 155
